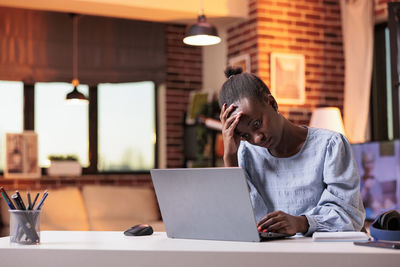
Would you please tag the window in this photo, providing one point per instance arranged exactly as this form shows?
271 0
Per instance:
385 90
126 126
117 128
62 128
11 110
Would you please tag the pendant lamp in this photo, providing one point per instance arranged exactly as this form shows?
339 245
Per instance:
75 95
202 33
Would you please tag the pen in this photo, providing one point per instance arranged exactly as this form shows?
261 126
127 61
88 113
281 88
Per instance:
29 201
42 200
34 201
20 201
7 199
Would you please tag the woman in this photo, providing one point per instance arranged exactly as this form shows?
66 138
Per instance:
301 179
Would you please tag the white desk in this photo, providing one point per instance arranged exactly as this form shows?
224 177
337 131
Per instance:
59 249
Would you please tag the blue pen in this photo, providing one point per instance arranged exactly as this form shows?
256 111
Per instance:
42 200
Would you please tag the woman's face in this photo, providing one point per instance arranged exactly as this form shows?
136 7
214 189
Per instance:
259 123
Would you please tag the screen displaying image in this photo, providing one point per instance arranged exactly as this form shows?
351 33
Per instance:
378 164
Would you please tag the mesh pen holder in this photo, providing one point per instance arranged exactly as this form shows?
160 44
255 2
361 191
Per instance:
25 226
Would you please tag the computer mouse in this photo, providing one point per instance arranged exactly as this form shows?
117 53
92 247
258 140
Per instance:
139 230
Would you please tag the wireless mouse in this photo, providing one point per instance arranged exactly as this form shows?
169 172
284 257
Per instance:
139 230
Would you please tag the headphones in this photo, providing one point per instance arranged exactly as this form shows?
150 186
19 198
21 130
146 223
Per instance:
386 226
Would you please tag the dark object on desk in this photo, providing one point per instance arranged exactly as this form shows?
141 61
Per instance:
386 226
139 230
266 236
379 244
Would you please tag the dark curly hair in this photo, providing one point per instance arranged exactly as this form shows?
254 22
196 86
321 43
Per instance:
241 85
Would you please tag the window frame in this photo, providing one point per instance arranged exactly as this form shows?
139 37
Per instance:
379 98
379 103
29 124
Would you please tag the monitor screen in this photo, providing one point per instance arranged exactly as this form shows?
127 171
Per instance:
378 165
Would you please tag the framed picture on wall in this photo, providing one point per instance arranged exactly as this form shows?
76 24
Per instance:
21 159
242 61
288 78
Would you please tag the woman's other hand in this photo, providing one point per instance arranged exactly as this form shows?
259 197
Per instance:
281 222
229 122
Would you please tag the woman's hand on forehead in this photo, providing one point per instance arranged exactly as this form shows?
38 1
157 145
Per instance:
235 112
230 117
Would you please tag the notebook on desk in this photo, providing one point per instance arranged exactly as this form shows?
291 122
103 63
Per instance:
207 203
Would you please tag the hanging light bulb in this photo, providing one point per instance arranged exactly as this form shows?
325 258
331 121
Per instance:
202 33
75 96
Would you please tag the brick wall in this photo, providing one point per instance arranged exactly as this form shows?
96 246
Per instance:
308 27
242 38
184 74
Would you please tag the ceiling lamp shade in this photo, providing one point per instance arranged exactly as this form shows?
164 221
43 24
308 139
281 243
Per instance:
202 33
75 96
327 118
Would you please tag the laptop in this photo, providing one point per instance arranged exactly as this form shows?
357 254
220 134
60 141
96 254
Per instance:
207 203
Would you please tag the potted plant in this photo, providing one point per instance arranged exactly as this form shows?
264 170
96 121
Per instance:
64 165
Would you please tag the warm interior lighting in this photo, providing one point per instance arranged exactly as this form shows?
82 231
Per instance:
202 33
327 118
75 96
202 40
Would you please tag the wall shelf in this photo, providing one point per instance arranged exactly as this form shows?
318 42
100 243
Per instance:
90 179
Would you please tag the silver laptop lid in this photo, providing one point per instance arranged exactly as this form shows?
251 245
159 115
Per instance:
205 203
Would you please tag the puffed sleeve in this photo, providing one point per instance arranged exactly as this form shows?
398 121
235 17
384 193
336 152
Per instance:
245 159
340 207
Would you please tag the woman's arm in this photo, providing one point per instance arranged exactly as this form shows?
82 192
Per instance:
231 139
340 207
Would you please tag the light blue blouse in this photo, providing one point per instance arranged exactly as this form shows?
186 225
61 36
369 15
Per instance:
321 182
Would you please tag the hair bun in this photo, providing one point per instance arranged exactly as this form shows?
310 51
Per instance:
229 71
